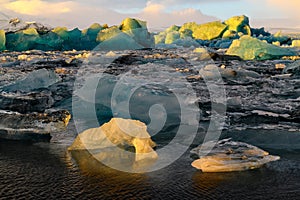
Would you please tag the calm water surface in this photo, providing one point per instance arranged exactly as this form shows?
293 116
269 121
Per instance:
46 171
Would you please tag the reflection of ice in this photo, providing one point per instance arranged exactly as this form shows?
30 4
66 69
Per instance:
89 165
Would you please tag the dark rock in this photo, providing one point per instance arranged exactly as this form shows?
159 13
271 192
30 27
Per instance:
26 103
32 127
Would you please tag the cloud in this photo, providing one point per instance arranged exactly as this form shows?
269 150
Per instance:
57 13
278 13
81 14
154 8
289 8
38 7
157 15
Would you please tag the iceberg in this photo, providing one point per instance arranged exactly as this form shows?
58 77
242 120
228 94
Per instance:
209 31
62 32
296 43
230 29
130 24
30 31
230 156
131 34
70 39
2 40
93 30
173 36
249 48
89 36
49 42
21 41
113 39
239 24
118 132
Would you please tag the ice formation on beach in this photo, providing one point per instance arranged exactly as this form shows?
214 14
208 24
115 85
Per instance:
229 156
249 48
22 36
133 34
118 132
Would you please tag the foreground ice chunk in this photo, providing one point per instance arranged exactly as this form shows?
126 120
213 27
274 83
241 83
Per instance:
229 156
118 132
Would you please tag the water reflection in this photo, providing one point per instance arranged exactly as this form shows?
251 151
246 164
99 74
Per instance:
44 171
91 161
114 183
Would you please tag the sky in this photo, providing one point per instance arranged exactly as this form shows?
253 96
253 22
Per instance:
157 13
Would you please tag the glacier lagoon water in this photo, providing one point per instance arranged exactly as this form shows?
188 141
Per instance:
47 171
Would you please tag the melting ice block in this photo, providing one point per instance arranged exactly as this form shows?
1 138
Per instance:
229 156
118 132
249 48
